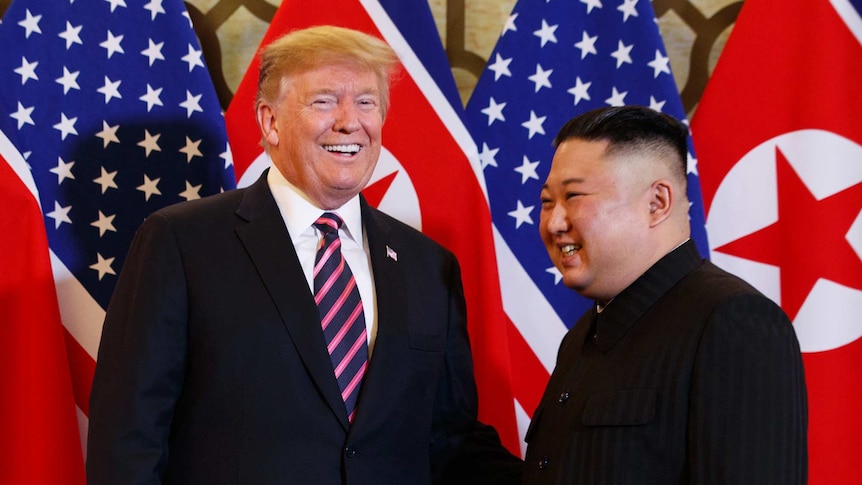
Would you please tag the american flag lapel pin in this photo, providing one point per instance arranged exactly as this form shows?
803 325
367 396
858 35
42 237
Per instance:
390 253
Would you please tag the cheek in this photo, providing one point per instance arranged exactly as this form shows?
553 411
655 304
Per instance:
372 123
584 216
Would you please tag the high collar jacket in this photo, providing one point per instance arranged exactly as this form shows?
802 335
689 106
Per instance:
689 376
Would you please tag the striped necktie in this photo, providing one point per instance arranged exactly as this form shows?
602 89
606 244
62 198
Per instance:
341 314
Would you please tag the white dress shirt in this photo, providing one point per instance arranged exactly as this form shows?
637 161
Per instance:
299 214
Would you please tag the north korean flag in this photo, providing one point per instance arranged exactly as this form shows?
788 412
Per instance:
428 173
780 148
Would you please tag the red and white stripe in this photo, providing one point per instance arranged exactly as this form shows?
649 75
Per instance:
47 341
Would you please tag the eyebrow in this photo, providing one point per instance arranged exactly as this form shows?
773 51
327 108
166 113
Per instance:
373 91
568 181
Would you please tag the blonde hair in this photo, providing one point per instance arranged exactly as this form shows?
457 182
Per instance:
303 50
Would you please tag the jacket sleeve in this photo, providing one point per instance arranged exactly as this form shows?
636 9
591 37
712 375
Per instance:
749 415
140 365
463 450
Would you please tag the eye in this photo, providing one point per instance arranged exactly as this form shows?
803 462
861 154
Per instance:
323 103
367 104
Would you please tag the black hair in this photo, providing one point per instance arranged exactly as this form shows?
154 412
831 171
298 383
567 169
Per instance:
631 128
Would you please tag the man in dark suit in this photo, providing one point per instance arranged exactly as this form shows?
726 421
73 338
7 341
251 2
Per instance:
215 366
682 373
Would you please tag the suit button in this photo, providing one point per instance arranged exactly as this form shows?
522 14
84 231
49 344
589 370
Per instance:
350 451
564 396
544 463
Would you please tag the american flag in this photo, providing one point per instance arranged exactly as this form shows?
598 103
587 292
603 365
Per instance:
107 113
556 59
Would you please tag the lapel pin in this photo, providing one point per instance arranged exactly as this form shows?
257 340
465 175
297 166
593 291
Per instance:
390 253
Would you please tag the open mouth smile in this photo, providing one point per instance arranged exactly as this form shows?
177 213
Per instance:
569 249
350 149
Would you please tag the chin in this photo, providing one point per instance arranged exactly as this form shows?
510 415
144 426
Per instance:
577 284
573 284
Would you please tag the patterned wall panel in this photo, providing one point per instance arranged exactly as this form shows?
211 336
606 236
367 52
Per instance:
694 32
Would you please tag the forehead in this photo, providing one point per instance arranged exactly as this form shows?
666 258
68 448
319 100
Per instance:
579 158
337 77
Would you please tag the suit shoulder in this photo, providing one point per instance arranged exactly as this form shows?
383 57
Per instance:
225 201
724 294
196 216
709 279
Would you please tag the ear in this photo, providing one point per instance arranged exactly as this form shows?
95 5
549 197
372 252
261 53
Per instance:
267 124
660 201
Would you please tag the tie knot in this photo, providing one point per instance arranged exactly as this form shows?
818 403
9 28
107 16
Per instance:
328 223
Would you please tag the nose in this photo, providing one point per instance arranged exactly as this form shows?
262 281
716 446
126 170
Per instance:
556 221
346 118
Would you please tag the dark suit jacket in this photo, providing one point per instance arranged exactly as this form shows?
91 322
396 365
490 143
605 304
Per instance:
213 368
689 376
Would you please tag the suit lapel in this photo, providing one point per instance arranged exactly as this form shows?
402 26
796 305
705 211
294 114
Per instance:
271 250
390 348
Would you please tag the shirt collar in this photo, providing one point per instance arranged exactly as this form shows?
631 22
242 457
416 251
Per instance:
299 212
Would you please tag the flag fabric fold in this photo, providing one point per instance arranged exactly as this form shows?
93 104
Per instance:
425 176
107 114
780 146
40 442
553 61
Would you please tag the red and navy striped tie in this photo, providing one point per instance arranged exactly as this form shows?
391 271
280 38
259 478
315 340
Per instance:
341 314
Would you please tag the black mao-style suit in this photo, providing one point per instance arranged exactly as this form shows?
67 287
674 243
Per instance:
689 376
213 368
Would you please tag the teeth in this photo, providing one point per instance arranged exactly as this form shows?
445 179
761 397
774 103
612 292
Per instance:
569 249
352 148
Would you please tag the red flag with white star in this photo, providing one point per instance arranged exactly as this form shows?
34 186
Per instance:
780 148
